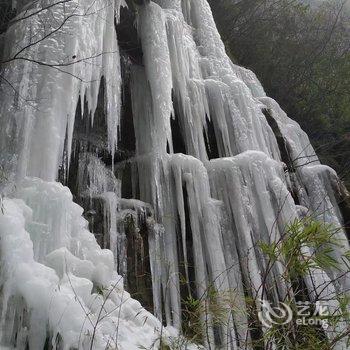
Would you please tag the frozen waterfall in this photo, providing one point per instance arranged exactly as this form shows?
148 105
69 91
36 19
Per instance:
137 158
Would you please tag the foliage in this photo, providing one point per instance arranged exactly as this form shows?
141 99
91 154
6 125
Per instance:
301 54
297 264
193 309
316 235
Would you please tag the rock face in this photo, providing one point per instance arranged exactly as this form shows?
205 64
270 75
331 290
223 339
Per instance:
176 158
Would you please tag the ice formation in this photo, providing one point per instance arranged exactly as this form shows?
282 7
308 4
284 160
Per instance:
217 167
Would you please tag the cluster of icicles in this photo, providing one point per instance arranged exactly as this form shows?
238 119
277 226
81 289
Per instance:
57 285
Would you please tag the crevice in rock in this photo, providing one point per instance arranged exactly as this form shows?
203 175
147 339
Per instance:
210 140
284 150
343 200
139 279
128 38
187 286
126 174
178 141
126 132
282 144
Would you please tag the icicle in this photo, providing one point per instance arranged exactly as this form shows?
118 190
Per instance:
262 205
72 61
152 32
211 214
319 181
94 178
60 295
